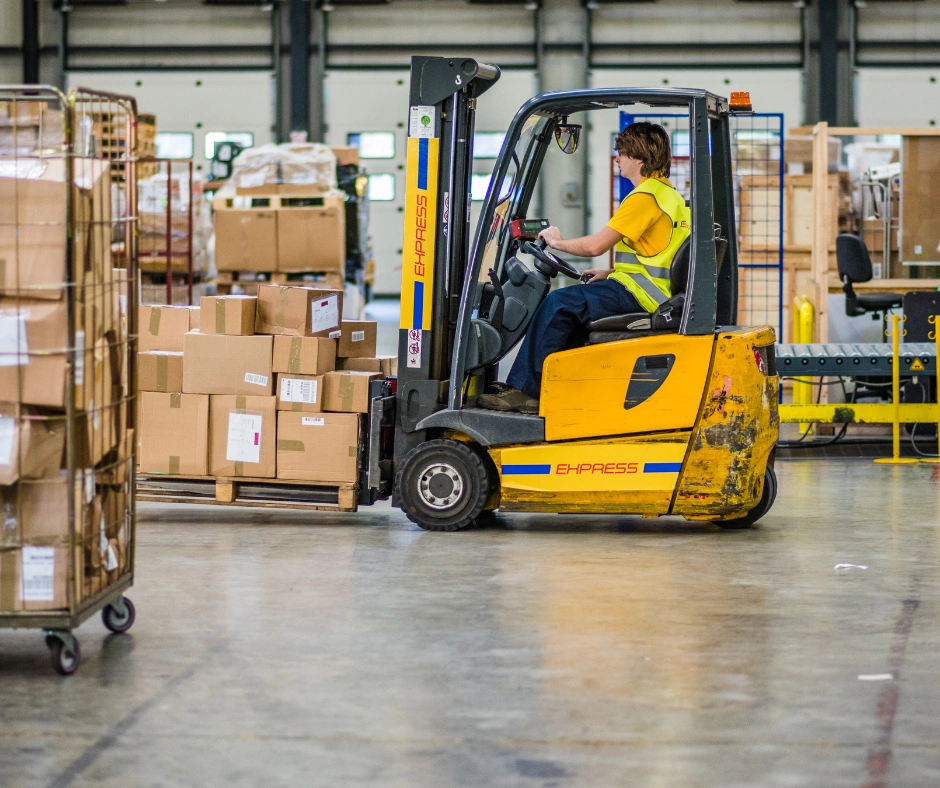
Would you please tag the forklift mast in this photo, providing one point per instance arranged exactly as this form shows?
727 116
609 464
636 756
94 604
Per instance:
442 108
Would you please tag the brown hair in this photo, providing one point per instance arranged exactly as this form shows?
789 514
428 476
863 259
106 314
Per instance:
649 143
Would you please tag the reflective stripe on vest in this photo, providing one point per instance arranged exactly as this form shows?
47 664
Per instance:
648 277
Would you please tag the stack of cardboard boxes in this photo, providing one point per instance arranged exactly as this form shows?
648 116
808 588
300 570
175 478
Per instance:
39 551
267 386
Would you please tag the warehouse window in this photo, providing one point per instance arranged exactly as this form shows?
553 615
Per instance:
479 183
486 144
373 144
174 144
244 138
382 187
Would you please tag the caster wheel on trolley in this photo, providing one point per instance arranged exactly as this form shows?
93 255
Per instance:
66 656
768 496
443 485
116 619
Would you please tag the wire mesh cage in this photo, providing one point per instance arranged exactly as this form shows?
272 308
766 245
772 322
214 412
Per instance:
68 256
757 166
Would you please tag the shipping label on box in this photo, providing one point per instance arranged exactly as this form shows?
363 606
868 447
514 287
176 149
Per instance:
318 448
159 370
242 436
34 577
347 392
300 393
162 328
304 355
222 364
174 433
358 339
298 311
232 314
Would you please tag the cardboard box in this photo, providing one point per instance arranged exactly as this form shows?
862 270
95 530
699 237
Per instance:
222 364
162 328
304 355
298 311
346 154
245 239
33 341
36 512
31 445
160 370
384 365
358 339
174 433
311 234
320 448
34 577
347 392
195 314
242 435
299 393
231 314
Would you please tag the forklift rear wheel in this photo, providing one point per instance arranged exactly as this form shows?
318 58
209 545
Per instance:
443 485
763 506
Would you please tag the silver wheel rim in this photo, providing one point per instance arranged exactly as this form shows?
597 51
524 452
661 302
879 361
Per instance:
432 486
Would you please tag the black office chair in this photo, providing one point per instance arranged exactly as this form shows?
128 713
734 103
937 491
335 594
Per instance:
855 266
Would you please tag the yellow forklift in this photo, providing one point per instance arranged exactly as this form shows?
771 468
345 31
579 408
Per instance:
673 413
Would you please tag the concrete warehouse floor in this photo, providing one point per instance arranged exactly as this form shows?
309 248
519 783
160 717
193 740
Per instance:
278 648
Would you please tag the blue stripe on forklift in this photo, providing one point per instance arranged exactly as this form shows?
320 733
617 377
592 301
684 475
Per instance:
519 470
417 319
662 467
423 164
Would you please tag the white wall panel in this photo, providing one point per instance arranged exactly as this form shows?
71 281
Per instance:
897 97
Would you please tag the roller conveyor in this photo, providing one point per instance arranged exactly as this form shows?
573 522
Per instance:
853 358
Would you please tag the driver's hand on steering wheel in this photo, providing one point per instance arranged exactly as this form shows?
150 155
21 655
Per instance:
550 235
595 275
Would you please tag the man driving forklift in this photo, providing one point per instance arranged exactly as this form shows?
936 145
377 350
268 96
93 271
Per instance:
646 231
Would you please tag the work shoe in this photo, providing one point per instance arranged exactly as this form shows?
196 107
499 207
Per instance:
509 399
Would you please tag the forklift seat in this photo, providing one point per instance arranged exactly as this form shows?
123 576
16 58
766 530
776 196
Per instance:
666 319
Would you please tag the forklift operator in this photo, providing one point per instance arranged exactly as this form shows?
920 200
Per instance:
647 230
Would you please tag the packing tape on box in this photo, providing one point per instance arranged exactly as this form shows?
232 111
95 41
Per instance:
176 399
162 372
155 320
174 465
281 308
8 579
219 316
3 274
346 392
284 445
239 469
353 451
241 403
293 363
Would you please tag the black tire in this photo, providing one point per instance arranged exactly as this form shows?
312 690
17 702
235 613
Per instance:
115 622
65 659
443 485
767 499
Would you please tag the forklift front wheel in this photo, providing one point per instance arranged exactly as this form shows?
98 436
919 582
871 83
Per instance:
763 506
443 485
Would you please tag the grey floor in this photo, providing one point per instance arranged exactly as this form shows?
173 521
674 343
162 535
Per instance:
282 649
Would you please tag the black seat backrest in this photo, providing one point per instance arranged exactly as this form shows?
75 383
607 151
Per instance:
852 258
679 270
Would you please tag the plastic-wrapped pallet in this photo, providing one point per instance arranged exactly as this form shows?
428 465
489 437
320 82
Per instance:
284 169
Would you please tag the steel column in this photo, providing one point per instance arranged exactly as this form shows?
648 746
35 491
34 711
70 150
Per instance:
300 65
31 42
828 22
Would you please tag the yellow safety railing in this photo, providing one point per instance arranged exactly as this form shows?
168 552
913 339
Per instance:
896 458
804 318
934 320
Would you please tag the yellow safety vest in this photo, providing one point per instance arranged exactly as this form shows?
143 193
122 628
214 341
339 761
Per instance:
648 277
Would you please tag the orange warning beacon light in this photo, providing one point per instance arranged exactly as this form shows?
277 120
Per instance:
741 103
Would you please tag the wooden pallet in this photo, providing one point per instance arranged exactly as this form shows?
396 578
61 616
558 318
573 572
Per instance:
248 491
250 280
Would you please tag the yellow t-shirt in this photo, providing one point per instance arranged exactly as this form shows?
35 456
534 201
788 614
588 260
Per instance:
643 224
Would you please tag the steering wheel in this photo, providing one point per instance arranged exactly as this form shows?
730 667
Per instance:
556 264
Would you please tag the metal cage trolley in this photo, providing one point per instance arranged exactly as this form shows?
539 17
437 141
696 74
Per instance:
68 258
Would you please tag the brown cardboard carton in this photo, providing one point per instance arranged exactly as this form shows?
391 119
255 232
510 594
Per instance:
346 154
162 328
299 393
304 355
195 314
31 443
311 234
298 311
34 577
385 365
358 339
245 239
242 435
222 364
321 448
33 341
174 433
36 512
160 370
231 314
347 392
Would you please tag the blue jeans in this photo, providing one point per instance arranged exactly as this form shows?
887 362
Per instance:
560 323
